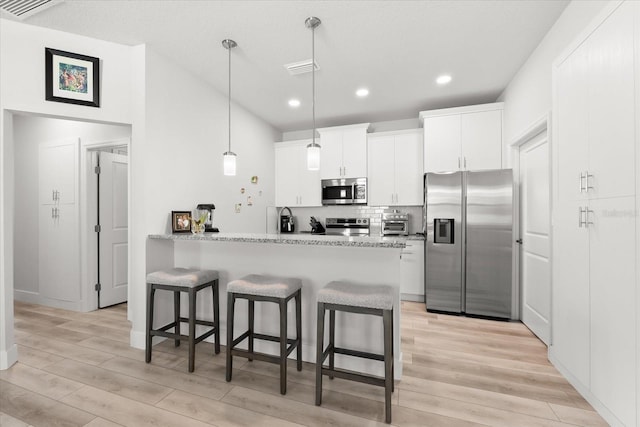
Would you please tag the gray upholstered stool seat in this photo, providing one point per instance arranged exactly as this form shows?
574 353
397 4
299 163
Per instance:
279 290
369 296
377 300
187 277
179 280
266 286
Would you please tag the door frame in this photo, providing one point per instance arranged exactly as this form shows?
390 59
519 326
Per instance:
543 124
88 217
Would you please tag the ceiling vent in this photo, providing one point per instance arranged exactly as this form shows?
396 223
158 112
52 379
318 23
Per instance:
23 9
300 67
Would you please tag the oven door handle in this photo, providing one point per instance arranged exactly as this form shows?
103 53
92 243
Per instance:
353 192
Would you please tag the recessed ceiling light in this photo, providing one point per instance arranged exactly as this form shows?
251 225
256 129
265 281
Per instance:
362 92
443 79
294 103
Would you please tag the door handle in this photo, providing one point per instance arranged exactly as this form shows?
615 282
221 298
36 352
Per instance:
588 187
581 182
580 212
519 241
458 162
587 222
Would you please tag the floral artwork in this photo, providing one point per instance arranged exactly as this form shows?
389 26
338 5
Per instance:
72 78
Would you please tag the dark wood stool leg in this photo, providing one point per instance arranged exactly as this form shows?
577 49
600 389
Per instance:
176 316
393 360
388 363
319 352
283 347
252 307
192 329
299 328
150 301
216 314
332 340
231 299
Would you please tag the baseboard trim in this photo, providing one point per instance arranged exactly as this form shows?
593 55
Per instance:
35 298
604 412
8 357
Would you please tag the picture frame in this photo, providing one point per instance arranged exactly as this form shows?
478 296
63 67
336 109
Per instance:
72 78
180 221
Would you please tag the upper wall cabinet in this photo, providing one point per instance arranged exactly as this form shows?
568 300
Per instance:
464 138
395 168
295 184
344 151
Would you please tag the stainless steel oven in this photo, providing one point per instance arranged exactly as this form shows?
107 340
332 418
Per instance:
345 191
394 223
347 226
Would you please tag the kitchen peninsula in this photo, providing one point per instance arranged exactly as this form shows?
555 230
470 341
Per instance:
317 260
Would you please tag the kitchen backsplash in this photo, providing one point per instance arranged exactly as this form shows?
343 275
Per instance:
302 215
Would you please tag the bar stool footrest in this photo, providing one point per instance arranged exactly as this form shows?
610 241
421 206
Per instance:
293 343
257 355
362 354
354 376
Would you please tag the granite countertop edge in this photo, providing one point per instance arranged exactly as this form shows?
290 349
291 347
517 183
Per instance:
296 239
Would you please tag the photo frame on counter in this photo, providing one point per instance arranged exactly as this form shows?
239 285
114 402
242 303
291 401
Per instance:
72 78
180 221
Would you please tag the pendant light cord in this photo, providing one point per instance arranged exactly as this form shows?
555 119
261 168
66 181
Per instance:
229 49
313 82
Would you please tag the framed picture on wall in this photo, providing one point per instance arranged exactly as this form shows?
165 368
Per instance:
180 221
71 78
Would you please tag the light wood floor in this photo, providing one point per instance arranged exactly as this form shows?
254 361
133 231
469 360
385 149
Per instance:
77 369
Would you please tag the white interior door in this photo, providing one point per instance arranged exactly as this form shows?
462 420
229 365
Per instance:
113 211
534 225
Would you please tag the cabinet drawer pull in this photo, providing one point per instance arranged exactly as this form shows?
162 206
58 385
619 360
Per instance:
458 162
580 212
465 162
581 182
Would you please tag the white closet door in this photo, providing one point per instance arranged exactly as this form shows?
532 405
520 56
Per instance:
612 106
613 317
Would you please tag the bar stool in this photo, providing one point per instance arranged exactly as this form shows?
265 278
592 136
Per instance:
279 290
180 280
376 300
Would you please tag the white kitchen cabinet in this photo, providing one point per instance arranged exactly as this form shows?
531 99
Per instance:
463 138
412 271
595 221
58 224
344 151
295 184
395 168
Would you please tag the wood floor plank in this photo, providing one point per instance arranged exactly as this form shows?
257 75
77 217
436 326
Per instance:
472 412
303 413
402 416
39 381
7 420
64 349
46 330
218 413
39 410
101 422
118 348
577 416
125 411
481 397
92 329
36 358
107 380
183 380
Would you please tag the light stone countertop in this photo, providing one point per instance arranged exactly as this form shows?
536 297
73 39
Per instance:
296 239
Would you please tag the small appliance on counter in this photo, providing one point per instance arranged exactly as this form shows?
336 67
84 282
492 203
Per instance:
394 223
287 222
344 191
207 209
347 226
316 227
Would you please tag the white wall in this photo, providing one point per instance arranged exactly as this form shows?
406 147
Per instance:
28 133
22 89
176 162
527 98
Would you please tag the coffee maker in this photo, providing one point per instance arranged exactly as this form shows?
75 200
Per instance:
287 222
207 208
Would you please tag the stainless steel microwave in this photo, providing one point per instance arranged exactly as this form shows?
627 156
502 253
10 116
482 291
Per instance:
344 191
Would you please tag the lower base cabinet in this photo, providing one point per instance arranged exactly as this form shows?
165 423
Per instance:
412 271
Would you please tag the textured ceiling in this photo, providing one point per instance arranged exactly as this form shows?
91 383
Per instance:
394 48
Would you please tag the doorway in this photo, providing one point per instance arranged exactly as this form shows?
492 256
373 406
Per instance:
535 233
107 195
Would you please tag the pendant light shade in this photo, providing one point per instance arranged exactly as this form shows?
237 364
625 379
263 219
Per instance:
313 149
229 157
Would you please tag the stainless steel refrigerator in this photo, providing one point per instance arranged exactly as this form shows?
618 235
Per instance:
469 238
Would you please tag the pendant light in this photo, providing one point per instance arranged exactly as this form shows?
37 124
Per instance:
229 156
313 149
